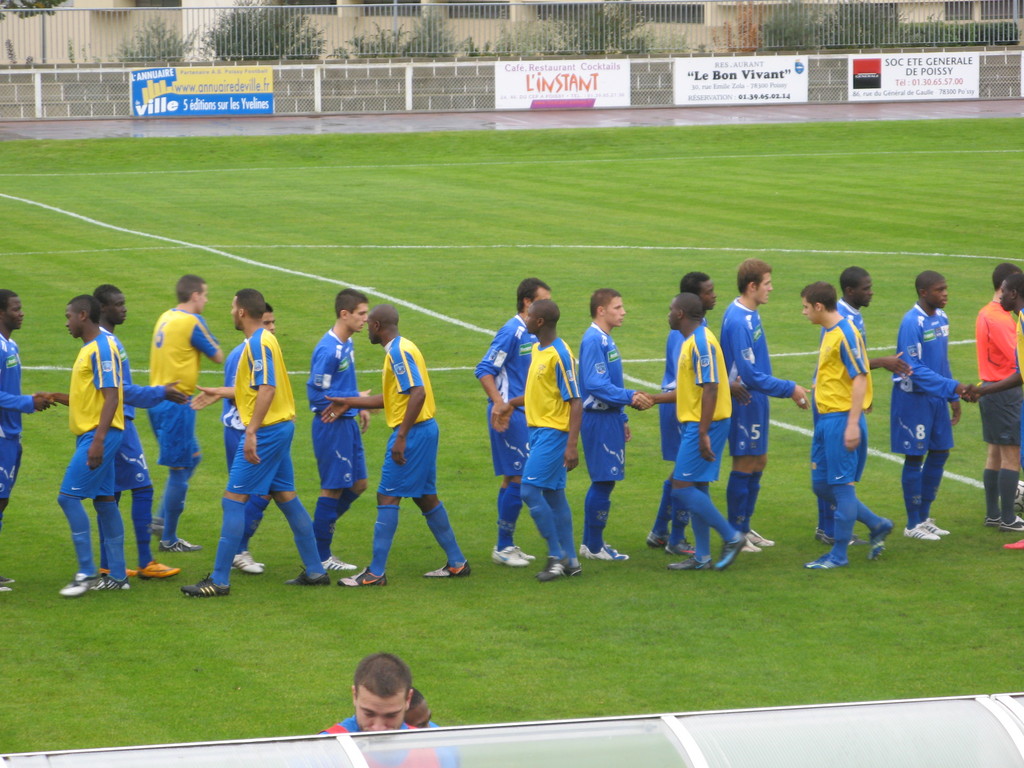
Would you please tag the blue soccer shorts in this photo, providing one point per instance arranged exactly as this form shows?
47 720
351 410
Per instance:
671 430
546 466
831 462
748 435
87 483
418 476
130 468
919 423
10 463
274 472
509 449
604 445
174 425
338 448
691 467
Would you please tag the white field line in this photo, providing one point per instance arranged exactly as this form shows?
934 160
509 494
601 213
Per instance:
395 300
514 163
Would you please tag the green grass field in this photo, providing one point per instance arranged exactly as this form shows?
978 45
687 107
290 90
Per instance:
449 223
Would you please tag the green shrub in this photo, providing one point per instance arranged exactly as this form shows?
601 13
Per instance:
254 30
156 41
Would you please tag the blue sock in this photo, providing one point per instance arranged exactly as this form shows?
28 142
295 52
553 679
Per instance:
324 516
845 516
79 524
231 527
346 500
510 504
827 517
113 529
736 498
543 516
173 503
680 519
441 527
866 516
912 489
562 516
254 509
931 477
142 516
664 516
383 534
753 489
302 532
596 507
703 515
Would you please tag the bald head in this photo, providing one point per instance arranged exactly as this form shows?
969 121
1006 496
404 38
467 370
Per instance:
382 324
385 314
690 305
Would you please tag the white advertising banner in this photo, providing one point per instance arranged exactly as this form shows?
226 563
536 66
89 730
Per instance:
585 83
914 76
741 80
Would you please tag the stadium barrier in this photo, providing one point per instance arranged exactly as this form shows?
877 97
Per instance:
77 91
962 732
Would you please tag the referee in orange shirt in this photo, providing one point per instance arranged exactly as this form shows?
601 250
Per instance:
995 332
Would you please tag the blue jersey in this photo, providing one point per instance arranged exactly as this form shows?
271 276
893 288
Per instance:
745 349
673 344
855 317
12 402
924 341
135 396
600 373
508 358
229 413
332 371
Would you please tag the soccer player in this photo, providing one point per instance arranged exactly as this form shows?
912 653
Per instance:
502 374
921 425
704 412
1011 299
1000 412
12 403
131 472
381 695
701 285
839 448
554 411
179 338
410 460
856 285
95 403
263 462
418 714
746 356
337 440
605 427
234 433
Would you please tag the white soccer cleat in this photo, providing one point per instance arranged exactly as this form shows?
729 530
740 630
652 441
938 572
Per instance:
510 556
246 564
606 552
931 527
750 546
919 532
753 537
334 564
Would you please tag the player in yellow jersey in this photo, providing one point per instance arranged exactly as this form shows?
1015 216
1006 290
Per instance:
410 460
180 339
842 392
263 461
95 403
703 408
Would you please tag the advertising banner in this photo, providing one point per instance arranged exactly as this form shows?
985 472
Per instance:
914 76
740 80
202 91
586 83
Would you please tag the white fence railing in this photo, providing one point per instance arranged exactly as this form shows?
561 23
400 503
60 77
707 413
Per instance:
461 30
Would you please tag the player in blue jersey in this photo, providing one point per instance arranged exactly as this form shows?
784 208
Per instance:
12 403
502 374
381 694
605 427
703 407
843 391
180 339
746 356
95 401
410 461
263 462
925 405
856 285
701 285
337 440
234 433
131 472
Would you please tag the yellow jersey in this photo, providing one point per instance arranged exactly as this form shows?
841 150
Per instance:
179 339
261 363
550 384
841 357
98 366
404 369
701 362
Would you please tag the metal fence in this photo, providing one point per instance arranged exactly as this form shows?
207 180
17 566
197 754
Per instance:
458 30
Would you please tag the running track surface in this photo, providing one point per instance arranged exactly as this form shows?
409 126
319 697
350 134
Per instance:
415 122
